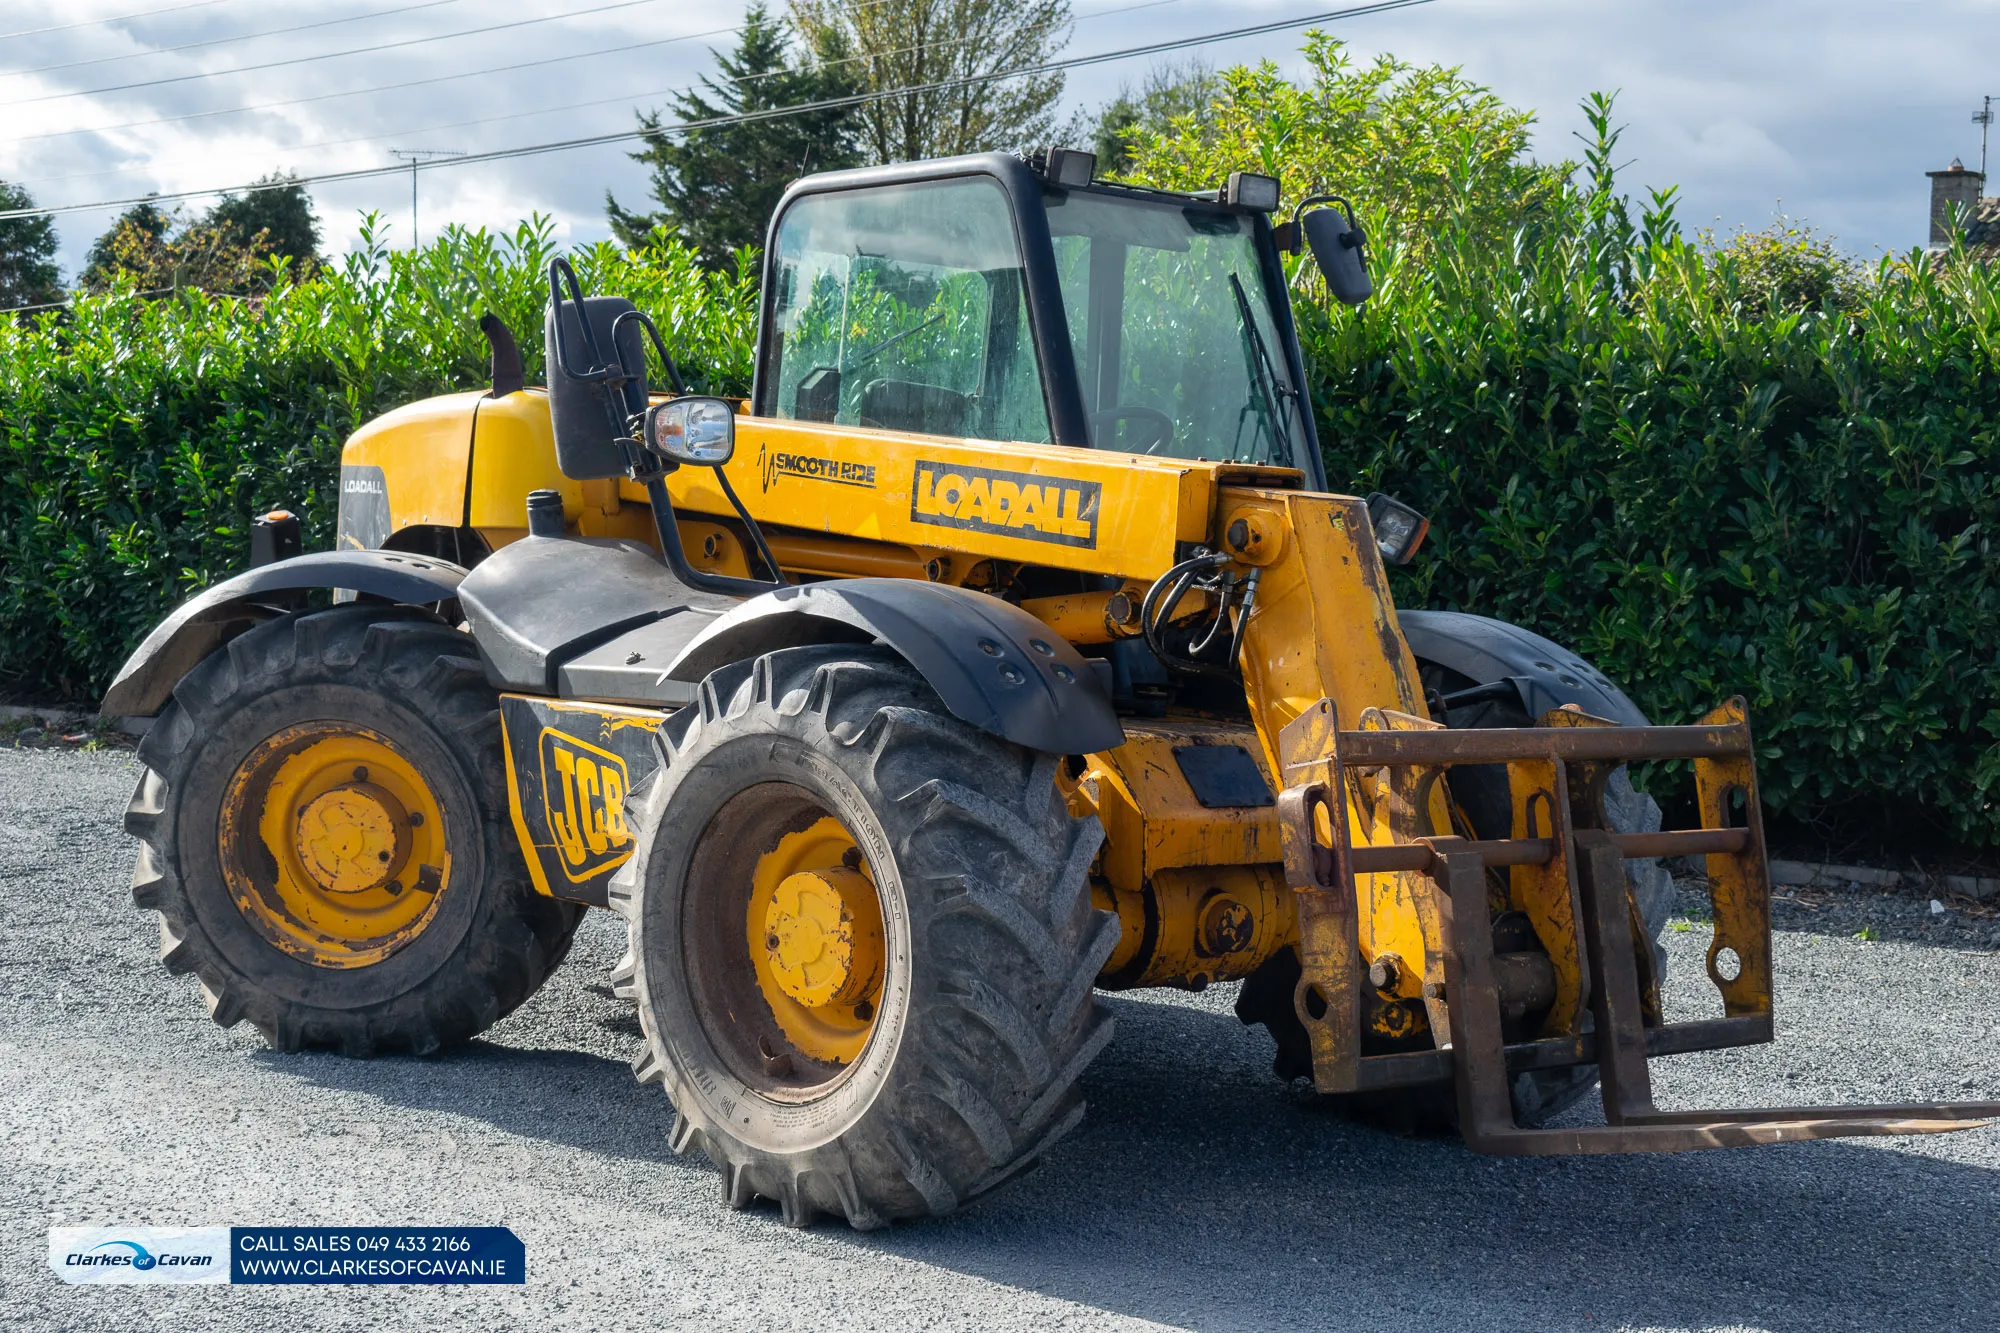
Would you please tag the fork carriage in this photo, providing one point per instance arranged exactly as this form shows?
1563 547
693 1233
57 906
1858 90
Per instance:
1565 869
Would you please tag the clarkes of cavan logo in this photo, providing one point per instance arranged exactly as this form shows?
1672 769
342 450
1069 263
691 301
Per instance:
1062 510
122 1252
775 465
583 797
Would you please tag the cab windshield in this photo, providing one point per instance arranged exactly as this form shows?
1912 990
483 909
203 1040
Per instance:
1176 348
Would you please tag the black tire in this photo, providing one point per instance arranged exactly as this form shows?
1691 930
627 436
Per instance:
986 1014
490 941
1481 792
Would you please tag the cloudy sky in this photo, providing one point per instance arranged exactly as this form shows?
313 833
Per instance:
1827 110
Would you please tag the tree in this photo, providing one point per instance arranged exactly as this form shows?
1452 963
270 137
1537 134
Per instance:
913 43
143 248
137 229
1169 93
718 186
283 214
1416 145
28 274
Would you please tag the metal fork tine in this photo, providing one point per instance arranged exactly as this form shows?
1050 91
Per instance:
1615 1001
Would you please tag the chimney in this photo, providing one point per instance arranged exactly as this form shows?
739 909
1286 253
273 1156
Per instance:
1953 191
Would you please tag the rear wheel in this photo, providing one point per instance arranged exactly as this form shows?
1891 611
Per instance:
326 838
862 944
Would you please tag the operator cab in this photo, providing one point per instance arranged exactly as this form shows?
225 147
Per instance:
990 298
995 298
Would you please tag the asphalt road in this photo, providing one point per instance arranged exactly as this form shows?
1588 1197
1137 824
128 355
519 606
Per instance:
1197 1194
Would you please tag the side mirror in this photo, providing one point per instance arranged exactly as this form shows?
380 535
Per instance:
700 432
1337 245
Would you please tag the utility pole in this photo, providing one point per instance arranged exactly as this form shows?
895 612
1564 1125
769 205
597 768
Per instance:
1983 118
417 156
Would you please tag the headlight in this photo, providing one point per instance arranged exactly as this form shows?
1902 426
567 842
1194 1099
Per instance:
1399 529
700 432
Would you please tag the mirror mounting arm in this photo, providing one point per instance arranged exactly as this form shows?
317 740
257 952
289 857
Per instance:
670 544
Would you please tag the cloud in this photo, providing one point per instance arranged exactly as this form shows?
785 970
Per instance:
1835 107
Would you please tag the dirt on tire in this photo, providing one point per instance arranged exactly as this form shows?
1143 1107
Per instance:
401 672
987 1014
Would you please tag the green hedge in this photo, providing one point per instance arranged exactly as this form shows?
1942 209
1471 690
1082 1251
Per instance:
136 435
1635 449
1629 445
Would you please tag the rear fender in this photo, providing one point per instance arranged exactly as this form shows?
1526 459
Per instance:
995 666
1545 674
213 617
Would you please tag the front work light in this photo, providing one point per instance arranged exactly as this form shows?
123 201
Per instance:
1399 529
1246 189
1071 168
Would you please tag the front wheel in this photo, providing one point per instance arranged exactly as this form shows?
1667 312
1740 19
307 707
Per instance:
861 940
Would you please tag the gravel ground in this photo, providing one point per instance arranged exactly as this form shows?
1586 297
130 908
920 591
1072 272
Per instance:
1198 1194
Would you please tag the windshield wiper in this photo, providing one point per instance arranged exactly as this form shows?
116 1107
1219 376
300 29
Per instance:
887 343
1264 371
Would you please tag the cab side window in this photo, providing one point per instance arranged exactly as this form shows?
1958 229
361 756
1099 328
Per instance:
902 307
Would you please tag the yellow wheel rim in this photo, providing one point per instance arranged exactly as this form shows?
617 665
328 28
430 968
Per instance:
814 928
333 845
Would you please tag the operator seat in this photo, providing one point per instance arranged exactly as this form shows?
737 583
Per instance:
922 409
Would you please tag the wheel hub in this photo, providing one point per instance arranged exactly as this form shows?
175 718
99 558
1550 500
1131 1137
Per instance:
823 946
333 844
352 838
813 926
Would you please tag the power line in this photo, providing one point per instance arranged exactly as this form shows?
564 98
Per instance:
92 23
387 87
774 113
328 55
376 89
626 98
57 305
224 41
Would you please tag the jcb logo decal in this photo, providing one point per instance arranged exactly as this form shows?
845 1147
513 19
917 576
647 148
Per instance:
583 792
1009 504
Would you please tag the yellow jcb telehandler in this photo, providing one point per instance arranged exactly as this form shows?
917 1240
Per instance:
1007 646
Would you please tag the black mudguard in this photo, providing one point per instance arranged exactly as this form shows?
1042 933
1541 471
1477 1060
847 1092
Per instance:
213 617
995 666
1545 674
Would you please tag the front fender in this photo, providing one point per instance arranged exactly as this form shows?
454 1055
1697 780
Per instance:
995 666
216 615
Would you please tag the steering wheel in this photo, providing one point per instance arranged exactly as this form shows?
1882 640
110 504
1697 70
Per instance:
1158 428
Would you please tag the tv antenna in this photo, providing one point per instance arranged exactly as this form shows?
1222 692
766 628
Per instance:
1983 118
416 157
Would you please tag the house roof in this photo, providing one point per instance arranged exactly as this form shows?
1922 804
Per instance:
1982 233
